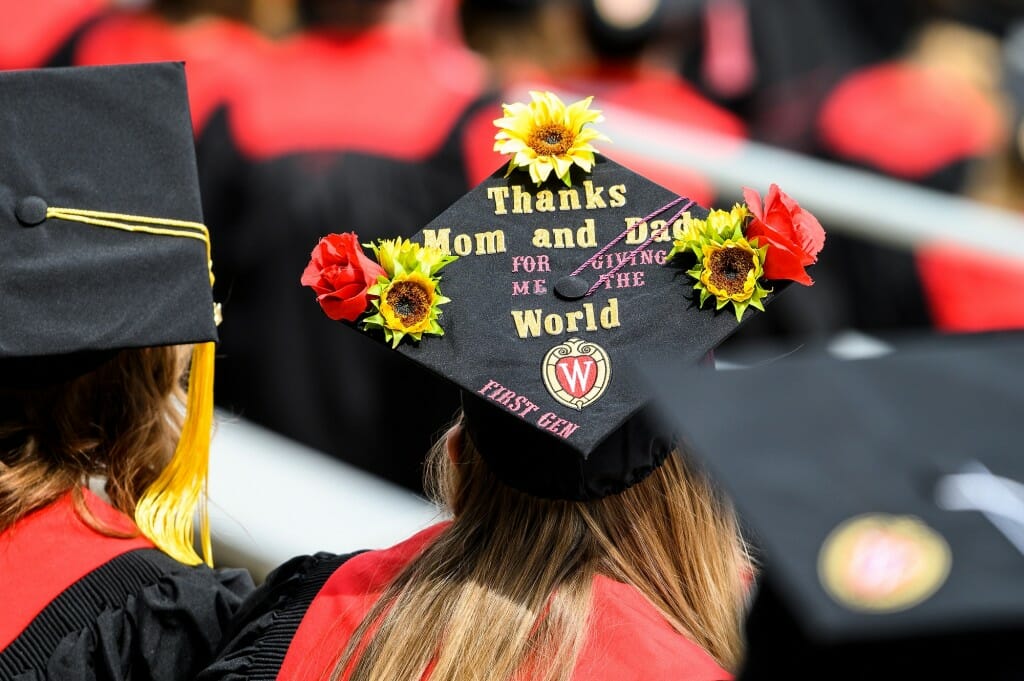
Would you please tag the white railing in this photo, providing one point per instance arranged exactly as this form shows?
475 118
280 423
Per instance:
272 498
843 198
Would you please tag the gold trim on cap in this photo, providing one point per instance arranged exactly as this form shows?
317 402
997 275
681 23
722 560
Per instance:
138 223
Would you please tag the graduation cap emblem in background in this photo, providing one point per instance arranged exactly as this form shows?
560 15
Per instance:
557 274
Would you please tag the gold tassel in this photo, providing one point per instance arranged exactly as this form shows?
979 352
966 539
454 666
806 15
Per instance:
166 512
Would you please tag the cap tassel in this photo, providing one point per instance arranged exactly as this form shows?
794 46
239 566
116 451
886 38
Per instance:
166 512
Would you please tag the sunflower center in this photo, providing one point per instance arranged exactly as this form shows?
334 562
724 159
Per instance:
729 269
410 301
551 140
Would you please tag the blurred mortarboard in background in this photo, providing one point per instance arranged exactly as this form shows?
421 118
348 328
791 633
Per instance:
562 277
886 496
104 247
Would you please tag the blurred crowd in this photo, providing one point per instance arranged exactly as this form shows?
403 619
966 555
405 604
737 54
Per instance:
317 116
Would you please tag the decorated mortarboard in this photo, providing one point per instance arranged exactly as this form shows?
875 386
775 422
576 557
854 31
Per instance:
104 248
557 272
887 497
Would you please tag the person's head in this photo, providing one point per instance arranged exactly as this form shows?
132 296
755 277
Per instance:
186 10
559 470
623 29
560 37
507 586
644 536
119 422
105 251
518 35
345 14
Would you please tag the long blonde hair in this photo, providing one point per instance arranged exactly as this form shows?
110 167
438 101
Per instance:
120 422
504 592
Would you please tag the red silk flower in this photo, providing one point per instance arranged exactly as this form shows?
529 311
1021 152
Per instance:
340 273
793 235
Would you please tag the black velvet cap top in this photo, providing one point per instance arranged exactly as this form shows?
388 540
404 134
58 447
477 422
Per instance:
887 495
101 239
544 366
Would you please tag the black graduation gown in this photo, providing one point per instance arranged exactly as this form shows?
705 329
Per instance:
266 624
82 606
362 133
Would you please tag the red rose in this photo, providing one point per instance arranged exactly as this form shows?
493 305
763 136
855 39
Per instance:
340 273
793 236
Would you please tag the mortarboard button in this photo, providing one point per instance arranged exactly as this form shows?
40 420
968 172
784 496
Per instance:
572 287
31 211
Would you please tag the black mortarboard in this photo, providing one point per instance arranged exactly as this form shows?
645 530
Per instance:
886 495
85 150
507 327
103 247
539 344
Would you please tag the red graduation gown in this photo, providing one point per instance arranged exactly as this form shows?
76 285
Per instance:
628 638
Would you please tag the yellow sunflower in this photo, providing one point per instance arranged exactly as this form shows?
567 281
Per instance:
728 266
407 305
546 135
401 256
719 224
731 271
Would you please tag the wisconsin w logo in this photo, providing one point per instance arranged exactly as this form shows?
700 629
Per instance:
576 372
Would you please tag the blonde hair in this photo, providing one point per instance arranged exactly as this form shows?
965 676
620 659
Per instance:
504 592
120 421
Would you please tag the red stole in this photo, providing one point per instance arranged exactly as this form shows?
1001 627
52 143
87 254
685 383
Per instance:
48 550
34 31
325 91
219 54
628 638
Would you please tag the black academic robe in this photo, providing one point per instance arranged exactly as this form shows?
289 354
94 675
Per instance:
367 133
82 606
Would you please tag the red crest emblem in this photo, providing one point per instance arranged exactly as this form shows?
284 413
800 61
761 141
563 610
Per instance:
576 372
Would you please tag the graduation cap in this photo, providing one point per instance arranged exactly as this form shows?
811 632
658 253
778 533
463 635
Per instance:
887 496
565 272
104 248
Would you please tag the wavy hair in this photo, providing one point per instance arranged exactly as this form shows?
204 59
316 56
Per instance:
120 422
505 590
